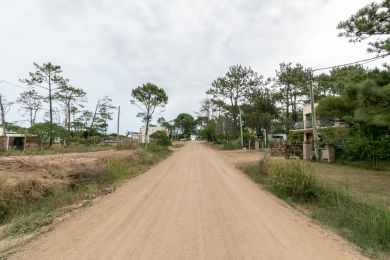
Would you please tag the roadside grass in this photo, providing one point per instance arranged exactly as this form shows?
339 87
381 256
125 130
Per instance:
29 205
74 148
372 186
226 145
379 166
177 145
364 224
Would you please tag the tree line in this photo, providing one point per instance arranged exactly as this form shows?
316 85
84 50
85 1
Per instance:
352 95
47 91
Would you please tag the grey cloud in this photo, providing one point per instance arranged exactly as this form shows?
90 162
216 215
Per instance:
109 47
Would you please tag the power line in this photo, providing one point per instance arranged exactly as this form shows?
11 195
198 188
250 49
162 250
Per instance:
12 84
361 62
312 105
26 88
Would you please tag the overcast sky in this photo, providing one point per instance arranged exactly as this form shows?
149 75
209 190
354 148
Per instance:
109 47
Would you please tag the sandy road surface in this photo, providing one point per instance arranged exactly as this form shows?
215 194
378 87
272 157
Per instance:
194 205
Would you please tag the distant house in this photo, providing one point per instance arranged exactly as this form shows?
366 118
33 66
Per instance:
17 141
133 136
152 129
306 127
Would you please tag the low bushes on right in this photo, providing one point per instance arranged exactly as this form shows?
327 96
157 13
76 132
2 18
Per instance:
364 224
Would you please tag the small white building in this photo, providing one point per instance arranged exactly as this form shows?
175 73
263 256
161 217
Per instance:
133 136
16 141
152 129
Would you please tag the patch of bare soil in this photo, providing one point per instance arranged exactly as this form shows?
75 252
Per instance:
243 156
57 167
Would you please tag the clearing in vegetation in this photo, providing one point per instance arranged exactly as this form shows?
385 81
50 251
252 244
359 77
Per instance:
34 190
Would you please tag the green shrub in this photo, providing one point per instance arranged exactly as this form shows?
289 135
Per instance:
360 147
231 144
46 131
295 137
161 138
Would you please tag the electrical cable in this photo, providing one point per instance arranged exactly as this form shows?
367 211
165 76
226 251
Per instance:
361 62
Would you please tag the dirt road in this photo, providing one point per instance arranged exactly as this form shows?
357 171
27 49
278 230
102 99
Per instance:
194 205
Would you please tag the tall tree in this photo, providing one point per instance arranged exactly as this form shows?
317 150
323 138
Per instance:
102 114
292 82
207 108
168 125
201 122
373 20
260 110
365 102
31 102
83 121
332 84
4 108
185 122
71 98
233 87
148 98
47 76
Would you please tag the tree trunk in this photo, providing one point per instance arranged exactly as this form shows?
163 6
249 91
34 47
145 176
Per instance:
287 109
50 113
146 132
94 115
69 108
5 141
31 117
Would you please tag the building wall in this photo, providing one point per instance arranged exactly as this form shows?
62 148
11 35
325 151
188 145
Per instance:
151 130
28 142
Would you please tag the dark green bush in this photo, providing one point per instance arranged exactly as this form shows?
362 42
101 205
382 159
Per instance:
161 138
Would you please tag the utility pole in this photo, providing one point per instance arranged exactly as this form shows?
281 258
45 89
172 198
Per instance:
117 126
313 119
242 138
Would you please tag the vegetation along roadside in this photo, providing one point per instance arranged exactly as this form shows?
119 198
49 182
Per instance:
365 224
